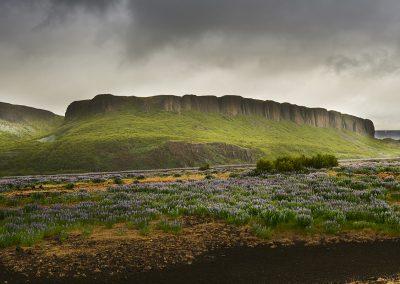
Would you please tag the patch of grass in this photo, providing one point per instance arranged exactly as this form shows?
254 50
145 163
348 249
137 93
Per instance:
261 231
331 227
169 226
141 224
87 231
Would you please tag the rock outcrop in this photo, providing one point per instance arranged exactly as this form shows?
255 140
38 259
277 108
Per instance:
20 114
226 105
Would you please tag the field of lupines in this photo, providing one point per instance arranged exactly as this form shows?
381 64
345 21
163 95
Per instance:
355 196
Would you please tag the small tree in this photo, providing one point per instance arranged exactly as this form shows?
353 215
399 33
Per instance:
264 166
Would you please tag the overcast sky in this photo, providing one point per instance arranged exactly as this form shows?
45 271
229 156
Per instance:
337 54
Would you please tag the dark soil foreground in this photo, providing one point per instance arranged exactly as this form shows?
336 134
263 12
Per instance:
332 263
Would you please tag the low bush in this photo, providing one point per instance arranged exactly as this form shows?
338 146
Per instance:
296 164
321 161
264 166
288 164
69 185
118 180
204 167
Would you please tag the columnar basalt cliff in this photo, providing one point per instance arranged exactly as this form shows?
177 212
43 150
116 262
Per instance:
226 105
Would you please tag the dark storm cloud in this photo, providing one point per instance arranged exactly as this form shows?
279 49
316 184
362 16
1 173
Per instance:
54 51
321 25
59 9
305 21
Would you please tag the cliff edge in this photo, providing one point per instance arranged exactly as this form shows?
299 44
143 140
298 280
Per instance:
226 105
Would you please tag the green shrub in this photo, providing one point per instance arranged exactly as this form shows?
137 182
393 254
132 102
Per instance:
284 164
204 167
118 180
264 166
295 164
69 185
322 161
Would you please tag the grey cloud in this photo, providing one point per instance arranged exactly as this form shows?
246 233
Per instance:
157 23
378 63
55 51
59 10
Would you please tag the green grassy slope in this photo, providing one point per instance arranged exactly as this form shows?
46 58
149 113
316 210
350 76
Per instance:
12 132
126 140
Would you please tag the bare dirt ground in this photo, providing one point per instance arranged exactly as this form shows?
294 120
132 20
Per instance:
204 252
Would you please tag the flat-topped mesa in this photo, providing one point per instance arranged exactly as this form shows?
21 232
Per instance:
18 113
227 105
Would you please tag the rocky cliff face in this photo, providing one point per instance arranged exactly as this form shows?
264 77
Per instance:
17 113
227 105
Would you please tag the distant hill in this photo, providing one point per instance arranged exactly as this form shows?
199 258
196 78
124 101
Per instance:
24 114
391 134
20 123
117 133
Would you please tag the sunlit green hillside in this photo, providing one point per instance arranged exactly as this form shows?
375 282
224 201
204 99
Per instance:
125 140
